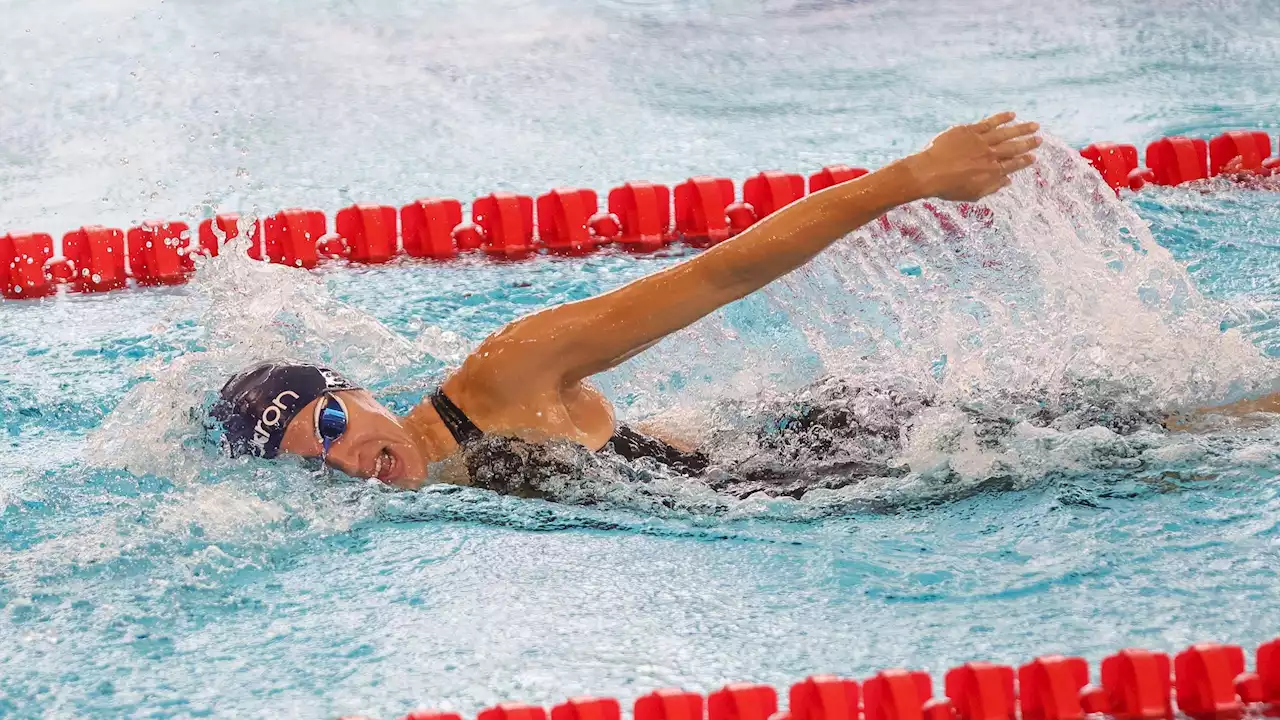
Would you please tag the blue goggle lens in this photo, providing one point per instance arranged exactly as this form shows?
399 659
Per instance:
331 422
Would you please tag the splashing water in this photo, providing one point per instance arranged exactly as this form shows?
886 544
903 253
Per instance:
1040 331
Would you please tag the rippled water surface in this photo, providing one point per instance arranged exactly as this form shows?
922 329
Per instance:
1037 509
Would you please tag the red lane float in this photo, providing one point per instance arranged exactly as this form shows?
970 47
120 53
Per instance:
643 211
668 705
1137 685
640 217
221 229
741 216
742 701
897 695
369 232
1049 688
427 228
1211 684
823 697
505 221
1176 160
289 238
1252 149
982 691
97 255
23 261
1268 664
771 191
587 709
834 175
564 220
700 210
1114 161
513 711
1205 681
158 253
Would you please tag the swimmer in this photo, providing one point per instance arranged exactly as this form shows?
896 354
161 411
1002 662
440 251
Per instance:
527 383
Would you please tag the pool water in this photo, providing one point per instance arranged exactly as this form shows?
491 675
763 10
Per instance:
142 575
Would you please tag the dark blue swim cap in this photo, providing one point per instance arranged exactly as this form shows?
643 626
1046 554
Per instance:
257 404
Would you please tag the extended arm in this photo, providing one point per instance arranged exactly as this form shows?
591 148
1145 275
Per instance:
576 340
1239 409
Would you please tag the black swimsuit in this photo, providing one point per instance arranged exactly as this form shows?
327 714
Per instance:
625 442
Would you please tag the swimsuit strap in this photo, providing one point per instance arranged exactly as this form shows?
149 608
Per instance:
460 426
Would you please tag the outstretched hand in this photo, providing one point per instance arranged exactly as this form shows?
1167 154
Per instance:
969 162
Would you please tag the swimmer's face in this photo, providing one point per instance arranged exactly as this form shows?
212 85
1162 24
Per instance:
375 444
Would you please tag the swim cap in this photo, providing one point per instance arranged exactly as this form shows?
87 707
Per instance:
257 404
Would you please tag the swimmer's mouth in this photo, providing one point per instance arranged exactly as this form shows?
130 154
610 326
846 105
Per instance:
385 466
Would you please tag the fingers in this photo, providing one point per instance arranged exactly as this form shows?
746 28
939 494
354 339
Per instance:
1009 132
994 187
993 122
1014 164
1014 148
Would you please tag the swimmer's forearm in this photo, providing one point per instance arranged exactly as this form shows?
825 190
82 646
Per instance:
1266 404
793 236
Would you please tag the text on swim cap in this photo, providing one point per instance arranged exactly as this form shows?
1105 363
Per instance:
270 418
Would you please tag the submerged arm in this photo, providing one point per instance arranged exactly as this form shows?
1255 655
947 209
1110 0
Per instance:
1241 408
573 341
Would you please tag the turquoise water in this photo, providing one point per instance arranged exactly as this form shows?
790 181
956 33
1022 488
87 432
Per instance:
142 575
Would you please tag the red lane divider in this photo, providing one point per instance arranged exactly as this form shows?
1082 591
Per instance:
427 228
897 695
217 231
1176 160
368 232
700 210
505 221
1050 688
1115 162
1205 678
770 191
742 702
1209 681
23 259
290 237
668 705
1269 672
565 217
158 253
823 697
834 175
639 217
97 257
1250 148
982 691
513 711
643 211
587 709
1137 685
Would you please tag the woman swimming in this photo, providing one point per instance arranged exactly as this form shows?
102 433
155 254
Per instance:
527 383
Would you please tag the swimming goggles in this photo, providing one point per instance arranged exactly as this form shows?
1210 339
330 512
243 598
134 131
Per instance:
331 420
